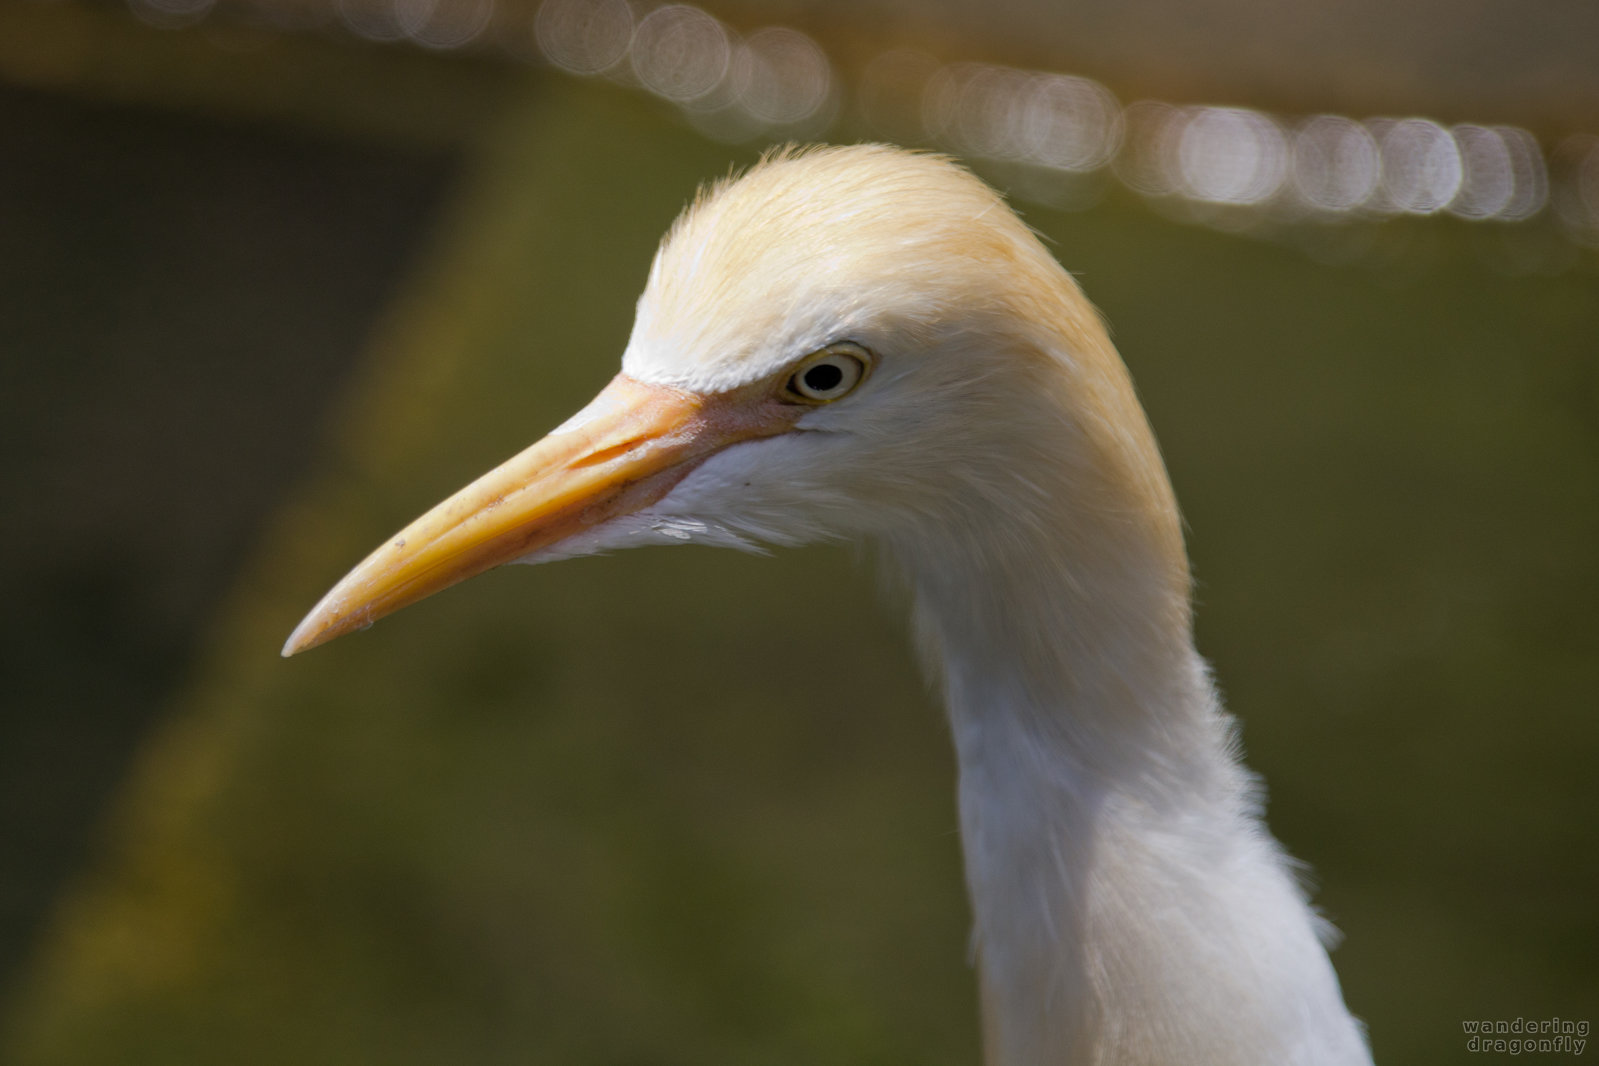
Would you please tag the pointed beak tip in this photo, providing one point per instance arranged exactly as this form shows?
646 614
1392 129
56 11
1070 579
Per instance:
298 641
314 630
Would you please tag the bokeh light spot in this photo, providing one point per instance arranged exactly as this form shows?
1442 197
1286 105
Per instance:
1147 162
1232 156
1336 163
584 36
1071 123
681 53
1421 166
781 76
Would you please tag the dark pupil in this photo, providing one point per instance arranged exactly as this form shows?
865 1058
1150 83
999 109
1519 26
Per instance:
824 377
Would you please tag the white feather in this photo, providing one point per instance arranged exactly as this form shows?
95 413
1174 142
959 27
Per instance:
1130 907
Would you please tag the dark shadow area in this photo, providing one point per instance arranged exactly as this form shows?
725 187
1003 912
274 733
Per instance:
181 301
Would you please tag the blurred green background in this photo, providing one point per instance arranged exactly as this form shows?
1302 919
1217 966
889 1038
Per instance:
270 294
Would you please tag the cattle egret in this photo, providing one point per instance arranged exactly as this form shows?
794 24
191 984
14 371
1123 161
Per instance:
865 343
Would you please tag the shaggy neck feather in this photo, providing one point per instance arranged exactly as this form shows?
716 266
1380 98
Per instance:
1129 906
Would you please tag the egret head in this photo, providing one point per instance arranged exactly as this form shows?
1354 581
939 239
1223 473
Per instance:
843 343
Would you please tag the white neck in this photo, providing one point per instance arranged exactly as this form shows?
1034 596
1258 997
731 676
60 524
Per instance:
1129 904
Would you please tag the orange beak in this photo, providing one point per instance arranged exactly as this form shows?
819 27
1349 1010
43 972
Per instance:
623 452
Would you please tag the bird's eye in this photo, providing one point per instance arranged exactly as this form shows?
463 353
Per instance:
828 375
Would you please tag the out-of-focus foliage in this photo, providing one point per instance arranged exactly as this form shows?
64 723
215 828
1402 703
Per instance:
691 807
